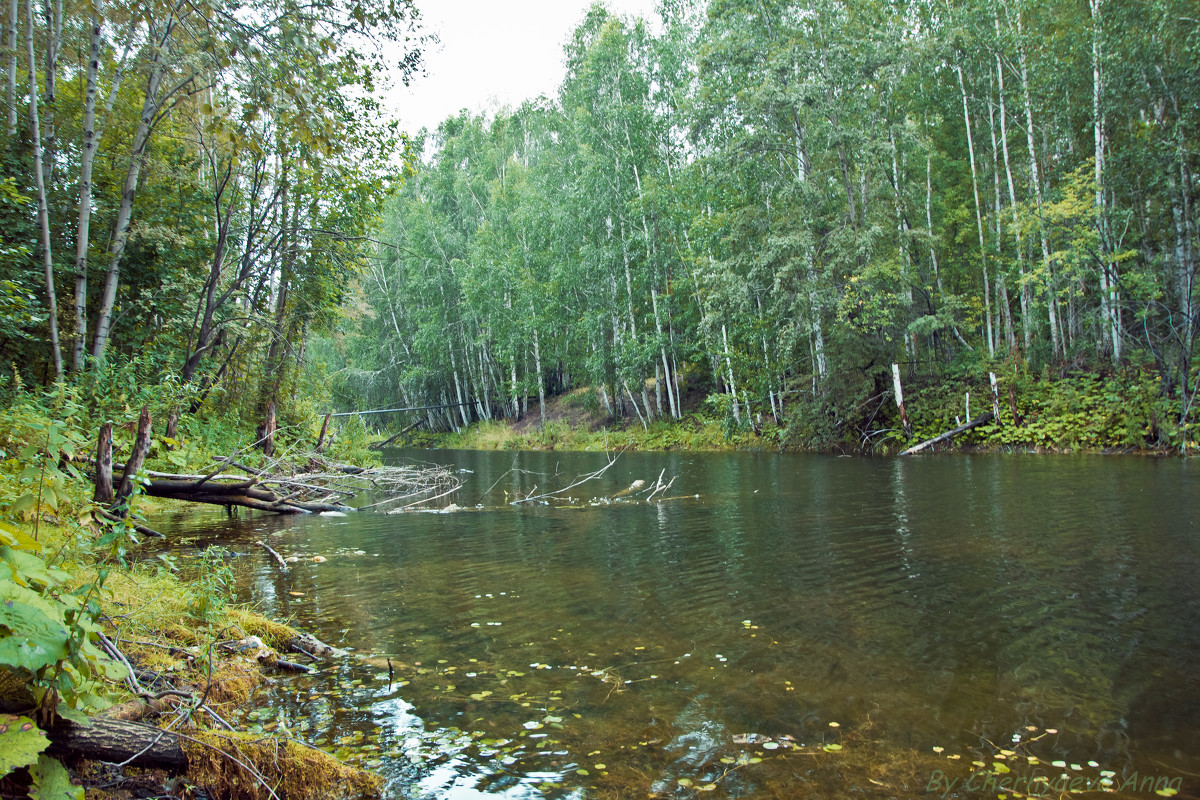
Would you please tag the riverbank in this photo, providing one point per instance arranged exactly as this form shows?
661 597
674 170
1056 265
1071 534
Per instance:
165 681
125 670
1076 413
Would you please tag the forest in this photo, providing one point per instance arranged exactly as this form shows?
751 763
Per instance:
759 205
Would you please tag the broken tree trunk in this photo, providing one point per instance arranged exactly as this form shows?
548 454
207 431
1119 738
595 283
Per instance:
268 437
975 423
104 465
900 400
141 446
324 430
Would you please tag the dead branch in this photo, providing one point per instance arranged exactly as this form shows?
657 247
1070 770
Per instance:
591 476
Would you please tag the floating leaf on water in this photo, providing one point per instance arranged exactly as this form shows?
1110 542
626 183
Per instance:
835 724
532 725
770 746
1060 764
708 787
600 766
1167 791
833 748
685 782
938 749
728 760
582 771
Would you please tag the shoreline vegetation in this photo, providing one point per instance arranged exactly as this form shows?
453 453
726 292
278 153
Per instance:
1077 413
115 654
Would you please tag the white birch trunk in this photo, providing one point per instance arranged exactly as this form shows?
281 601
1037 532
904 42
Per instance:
1109 299
537 364
737 416
987 292
10 92
1026 294
43 211
674 407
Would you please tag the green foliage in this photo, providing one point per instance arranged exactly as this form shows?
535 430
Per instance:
214 577
21 740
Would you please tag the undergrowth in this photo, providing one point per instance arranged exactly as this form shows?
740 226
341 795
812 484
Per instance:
1083 412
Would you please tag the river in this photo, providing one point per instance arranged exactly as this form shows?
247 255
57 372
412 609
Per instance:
772 626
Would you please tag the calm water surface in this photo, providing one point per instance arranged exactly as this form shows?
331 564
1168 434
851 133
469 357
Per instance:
780 626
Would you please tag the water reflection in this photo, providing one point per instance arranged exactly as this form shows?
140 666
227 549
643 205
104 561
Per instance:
970 604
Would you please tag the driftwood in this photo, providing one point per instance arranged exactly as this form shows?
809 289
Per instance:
975 423
278 558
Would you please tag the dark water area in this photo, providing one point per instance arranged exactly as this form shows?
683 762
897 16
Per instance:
778 626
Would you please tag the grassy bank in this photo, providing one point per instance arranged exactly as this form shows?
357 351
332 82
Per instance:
94 632
1083 412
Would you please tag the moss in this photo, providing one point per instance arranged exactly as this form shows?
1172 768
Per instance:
237 766
274 634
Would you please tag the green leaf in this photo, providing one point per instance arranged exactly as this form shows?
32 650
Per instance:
38 637
20 742
51 781
26 502
13 536
28 567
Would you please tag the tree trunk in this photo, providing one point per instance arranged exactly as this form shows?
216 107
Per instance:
118 741
1109 300
1026 294
10 93
324 432
104 464
53 11
987 292
268 435
737 415
537 364
141 137
974 423
87 158
141 446
1057 339
43 209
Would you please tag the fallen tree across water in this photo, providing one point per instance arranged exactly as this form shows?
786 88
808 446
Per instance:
304 484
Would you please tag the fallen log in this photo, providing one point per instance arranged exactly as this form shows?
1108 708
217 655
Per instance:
386 442
975 423
118 741
237 494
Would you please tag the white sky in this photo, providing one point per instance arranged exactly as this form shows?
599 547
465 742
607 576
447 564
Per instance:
491 53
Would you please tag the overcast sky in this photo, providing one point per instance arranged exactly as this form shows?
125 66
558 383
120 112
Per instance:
492 52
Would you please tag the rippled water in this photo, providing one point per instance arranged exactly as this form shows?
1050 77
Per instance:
781 626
